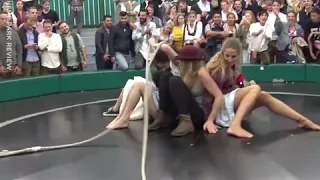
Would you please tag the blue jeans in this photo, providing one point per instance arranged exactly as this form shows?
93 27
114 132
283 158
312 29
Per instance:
123 61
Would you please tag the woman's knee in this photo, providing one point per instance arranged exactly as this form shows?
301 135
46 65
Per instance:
138 85
175 81
175 84
265 94
255 88
165 47
165 76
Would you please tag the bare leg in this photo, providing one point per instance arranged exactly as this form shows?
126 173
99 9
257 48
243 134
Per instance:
280 108
116 107
169 51
137 91
196 43
245 100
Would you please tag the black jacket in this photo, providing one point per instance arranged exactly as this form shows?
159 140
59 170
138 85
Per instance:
120 40
101 41
155 4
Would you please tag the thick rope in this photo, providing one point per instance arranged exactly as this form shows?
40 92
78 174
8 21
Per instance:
146 97
6 153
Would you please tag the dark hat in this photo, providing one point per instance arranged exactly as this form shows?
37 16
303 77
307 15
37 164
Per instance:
190 53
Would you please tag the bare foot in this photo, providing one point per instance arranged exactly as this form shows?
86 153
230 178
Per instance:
118 125
239 132
112 122
306 123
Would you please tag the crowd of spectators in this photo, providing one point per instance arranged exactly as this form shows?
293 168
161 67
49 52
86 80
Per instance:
271 31
30 44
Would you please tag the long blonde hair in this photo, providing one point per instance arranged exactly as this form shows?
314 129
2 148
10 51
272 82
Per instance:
189 71
169 24
217 63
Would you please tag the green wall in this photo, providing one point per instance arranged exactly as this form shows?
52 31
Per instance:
94 10
98 80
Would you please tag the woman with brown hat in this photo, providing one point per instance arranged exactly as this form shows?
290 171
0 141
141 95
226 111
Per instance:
186 93
224 68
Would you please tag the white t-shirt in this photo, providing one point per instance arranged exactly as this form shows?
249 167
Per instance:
260 43
272 20
224 15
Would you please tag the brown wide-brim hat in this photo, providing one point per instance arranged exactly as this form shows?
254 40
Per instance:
190 53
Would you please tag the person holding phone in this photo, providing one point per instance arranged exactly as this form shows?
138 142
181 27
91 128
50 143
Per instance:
29 39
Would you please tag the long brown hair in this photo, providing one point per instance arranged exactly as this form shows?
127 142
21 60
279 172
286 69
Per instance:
189 71
217 63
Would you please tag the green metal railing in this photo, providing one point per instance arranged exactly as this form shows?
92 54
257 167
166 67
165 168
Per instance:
94 10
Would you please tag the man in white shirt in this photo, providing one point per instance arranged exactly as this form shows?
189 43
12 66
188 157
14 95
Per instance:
276 5
51 45
141 35
260 35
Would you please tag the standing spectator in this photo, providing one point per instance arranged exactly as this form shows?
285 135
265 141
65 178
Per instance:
313 35
27 4
40 19
19 12
10 57
51 45
154 3
251 5
48 13
76 12
141 35
130 6
103 59
239 10
183 7
36 15
74 55
170 13
260 35
226 9
152 17
215 34
29 39
273 15
12 19
119 7
288 34
121 45
204 11
303 16
244 35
